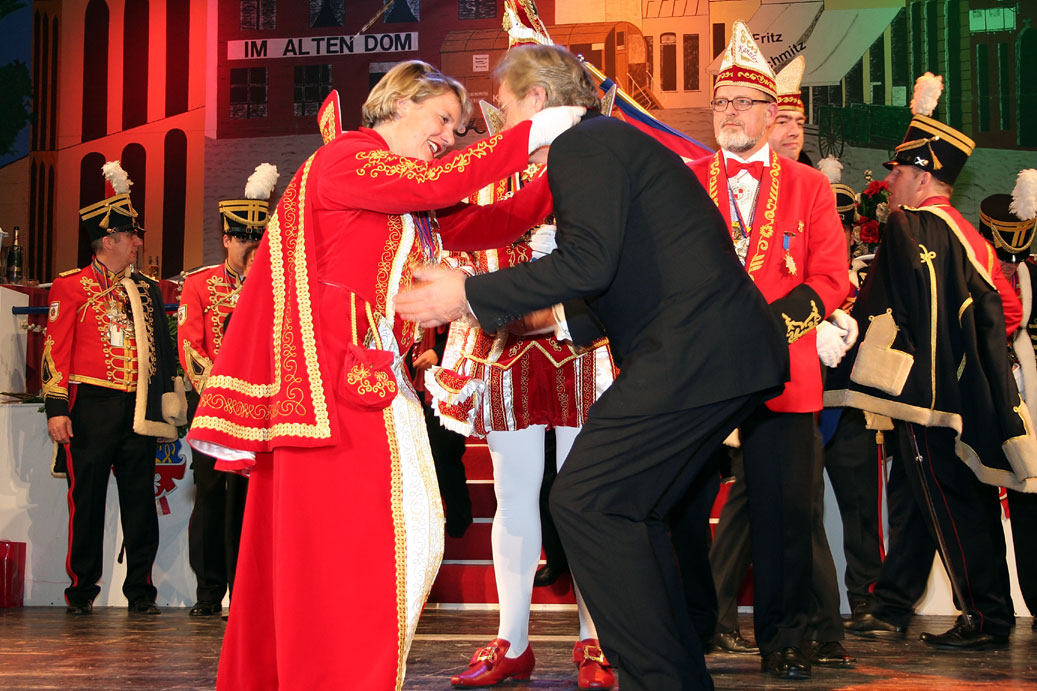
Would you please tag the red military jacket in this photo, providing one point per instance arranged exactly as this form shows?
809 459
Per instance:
208 297
90 338
797 257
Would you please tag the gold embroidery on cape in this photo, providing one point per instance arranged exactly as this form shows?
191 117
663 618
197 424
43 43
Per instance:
284 347
381 162
360 377
392 244
927 257
794 330
400 535
50 375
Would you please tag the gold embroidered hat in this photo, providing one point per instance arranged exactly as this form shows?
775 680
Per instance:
845 197
114 213
929 144
744 65
1009 221
787 82
247 218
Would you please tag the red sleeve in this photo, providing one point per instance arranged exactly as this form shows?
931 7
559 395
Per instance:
190 331
470 227
1009 300
356 176
827 258
65 298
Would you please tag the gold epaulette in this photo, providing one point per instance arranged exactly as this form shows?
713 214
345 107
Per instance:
185 274
68 273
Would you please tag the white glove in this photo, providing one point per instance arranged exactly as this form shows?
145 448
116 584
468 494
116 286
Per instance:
847 324
830 345
551 122
542 242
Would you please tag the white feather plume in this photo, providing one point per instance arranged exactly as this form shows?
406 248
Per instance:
116 177
1024 196
261 183
928 88
832 168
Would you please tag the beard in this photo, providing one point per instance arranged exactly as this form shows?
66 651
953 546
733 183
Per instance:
736 141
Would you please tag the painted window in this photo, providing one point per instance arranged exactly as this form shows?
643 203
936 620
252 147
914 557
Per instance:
248 93
312 84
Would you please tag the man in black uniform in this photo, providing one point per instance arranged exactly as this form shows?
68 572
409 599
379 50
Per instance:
934 360
110 388
207 301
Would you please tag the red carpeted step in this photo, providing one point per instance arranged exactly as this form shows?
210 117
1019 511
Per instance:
476 459
474 584
484 501
474 545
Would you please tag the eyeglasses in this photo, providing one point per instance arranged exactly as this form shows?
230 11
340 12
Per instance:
720 104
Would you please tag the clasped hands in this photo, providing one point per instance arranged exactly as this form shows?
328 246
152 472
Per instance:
438 297
835 337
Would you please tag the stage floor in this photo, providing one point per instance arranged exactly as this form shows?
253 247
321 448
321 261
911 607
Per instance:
42 648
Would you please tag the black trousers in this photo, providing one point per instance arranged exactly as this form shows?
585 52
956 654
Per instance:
103 443
1023 508
967 513
448 448
554 553
780 480
731 556
611 501
851 459
904 575
214 531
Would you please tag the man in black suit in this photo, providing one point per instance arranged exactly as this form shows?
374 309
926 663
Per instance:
644 258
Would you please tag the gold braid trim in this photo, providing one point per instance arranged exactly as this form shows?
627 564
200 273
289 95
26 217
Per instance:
50 375
767 227
382 162
794 330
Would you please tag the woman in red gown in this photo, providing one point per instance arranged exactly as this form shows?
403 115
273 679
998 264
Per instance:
343 529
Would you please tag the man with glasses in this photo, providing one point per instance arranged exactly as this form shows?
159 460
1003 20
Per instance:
110 389
787 234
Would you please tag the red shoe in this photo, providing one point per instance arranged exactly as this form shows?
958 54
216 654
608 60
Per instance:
592 669
489 666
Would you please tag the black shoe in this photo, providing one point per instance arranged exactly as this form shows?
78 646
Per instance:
964 636
548 573
143 607
867 625
732 642
786 664
831 654
206 609
859 607
79 608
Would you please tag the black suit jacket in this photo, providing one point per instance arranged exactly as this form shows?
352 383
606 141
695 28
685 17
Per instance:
644 258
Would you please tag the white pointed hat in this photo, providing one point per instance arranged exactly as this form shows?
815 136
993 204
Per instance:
788 80
744 65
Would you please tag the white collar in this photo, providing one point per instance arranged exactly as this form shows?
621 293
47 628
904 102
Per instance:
763 155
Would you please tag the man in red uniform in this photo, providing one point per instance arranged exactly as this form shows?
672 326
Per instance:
109 389
783 223
208 298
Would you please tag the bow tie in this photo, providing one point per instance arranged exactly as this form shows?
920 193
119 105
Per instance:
734 167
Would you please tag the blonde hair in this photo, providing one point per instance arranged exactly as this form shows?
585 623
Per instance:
414 80
553 68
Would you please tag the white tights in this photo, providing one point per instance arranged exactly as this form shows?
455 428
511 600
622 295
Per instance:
518 471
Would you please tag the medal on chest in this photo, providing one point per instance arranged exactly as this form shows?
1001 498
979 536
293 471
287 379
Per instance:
115 315
786 240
